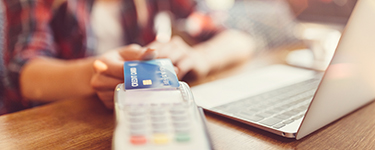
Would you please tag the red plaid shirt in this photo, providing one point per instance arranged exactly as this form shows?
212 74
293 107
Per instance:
61 29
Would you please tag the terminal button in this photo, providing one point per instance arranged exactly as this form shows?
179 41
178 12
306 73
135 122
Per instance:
138 140
161 139
182 137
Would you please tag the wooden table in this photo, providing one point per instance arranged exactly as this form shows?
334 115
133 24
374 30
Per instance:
84 123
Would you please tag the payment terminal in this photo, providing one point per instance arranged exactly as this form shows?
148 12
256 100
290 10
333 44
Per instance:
155 111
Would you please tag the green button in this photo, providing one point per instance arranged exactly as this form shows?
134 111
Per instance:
182 137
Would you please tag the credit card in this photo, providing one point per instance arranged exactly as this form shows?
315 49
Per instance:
157 73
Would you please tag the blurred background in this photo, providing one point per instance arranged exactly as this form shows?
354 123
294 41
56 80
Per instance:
308 29
311 28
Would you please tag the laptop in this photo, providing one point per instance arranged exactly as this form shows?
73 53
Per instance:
294 102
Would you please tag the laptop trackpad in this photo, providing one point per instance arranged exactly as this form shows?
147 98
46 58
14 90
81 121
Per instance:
248 84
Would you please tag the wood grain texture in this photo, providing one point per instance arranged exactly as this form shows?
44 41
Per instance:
84 123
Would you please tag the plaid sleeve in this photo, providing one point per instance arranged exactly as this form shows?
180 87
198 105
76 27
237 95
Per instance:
34 28
28 32
2 67
27 35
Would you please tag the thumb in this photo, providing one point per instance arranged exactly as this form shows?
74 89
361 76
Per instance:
148 54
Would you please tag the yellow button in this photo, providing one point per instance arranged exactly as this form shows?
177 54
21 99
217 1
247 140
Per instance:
161 139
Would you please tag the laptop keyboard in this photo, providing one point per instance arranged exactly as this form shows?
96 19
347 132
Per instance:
276 108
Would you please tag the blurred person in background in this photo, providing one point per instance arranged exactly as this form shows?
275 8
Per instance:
59 49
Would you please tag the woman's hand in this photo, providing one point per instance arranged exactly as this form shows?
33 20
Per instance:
108 70
185 58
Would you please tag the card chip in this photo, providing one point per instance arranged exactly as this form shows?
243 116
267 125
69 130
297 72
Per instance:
147 82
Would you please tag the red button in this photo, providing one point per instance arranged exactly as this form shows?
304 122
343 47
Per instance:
138 140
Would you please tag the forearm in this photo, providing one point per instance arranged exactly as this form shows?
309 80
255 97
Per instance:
48 79
226 48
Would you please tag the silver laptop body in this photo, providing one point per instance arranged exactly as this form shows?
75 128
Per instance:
302 100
